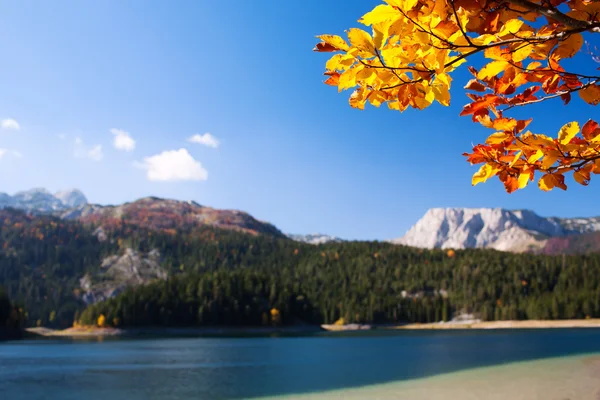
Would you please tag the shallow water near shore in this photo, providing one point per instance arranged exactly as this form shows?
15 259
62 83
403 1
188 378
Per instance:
374 365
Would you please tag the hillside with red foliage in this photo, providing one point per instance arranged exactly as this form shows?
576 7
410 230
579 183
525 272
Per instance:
171 216
573 244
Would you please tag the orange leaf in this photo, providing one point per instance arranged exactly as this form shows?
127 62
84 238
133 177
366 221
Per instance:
590 130
324 47
505 124
550 181
475 85
511 184
591 94
570 46
334 79
582 177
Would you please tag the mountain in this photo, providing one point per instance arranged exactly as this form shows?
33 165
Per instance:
71 198
506 230
315 238
41 200
169 216
149 212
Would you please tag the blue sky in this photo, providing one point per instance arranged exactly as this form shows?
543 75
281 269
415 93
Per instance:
291 151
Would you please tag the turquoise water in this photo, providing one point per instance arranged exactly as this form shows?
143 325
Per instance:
234 368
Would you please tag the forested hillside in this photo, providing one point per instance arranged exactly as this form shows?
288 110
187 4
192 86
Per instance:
366 282
11 323
224 277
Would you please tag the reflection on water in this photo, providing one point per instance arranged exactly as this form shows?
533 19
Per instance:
233 368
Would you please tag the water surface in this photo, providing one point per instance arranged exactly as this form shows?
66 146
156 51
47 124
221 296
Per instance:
234 368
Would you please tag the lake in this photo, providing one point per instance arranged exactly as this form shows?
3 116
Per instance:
339 363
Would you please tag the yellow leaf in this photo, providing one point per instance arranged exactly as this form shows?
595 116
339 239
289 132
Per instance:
377 97
348 78
339 62
379 14
403 4
522 52
568 132
442 94
358 99
380 34
535 156
335 41
480 41
548 161
498 137
361 40
570 46
492 69
441 89
591 94
511 26
516 158
485 172
524 178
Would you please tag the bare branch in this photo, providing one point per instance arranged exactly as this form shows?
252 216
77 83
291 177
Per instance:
554 14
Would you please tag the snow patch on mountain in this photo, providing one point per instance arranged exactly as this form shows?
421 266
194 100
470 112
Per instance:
315 238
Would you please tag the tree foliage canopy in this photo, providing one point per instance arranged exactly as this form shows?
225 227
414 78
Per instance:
414 46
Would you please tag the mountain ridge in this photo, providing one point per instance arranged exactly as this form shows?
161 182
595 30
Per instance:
495 228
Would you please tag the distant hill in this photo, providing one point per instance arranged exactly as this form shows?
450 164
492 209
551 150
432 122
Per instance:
506 230
150 212
41 200
170 215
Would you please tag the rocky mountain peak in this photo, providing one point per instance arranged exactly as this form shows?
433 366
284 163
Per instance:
72 197
497 228
41 200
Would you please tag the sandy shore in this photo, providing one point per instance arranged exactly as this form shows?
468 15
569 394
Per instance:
83 332
531 324
565 378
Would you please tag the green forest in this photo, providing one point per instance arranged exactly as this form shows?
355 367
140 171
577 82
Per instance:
222 277
11 324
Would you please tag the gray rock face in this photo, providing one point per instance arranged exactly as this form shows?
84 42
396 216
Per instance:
71 198
315 238
41 200
496 228
120 272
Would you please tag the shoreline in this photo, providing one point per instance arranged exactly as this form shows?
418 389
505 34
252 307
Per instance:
556 378
91 332
510 324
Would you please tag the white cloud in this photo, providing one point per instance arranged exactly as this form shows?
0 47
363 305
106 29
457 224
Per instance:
7 152
82 151
62 136
173 165
122 140
96 153
10 124
206 140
